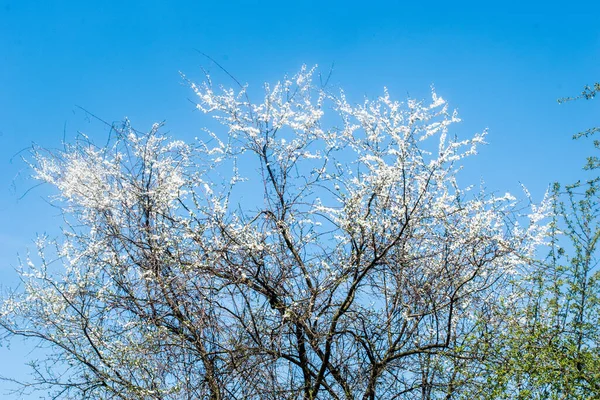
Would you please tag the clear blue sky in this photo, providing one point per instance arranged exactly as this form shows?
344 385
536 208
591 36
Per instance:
501 64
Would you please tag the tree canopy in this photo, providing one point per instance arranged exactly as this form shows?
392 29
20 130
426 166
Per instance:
310 248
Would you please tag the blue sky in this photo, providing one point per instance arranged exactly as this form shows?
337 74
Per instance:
501 64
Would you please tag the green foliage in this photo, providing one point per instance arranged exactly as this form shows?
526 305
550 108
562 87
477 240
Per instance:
551 350
588 93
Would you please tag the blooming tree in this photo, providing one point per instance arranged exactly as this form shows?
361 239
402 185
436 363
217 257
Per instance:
313 249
